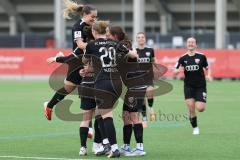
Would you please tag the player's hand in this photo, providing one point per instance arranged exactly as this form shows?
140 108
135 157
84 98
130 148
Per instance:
59 54
87 68
82 72
81 44
133 53
152 115
51 60
176 71
209 78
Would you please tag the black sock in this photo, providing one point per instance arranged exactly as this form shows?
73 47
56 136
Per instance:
90 124
97 133
58 96
144 110
150 102
83 132
101 127
138 132
110 130
193 121
127 133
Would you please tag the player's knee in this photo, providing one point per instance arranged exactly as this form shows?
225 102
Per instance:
149 94
201 109
126 119
136 119
85 123
127 122
190 104
150 88
69 88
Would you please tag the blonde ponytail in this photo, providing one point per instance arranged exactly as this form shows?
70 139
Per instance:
100 26
71 7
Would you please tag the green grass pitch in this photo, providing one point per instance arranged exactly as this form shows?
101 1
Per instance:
26 134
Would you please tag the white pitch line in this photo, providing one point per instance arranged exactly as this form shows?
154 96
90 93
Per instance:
46 158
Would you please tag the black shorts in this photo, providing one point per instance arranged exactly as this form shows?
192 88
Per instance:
198 94
107 93
137 107
134 100
73 72
86 93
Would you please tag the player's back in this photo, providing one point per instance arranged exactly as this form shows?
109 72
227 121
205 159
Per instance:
103 52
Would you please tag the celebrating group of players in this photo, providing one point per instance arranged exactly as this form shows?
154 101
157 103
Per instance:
101 61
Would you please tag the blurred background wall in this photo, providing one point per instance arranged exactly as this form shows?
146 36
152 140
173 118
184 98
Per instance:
167 23
30 23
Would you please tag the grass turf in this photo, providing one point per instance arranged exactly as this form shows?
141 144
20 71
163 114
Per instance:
25 132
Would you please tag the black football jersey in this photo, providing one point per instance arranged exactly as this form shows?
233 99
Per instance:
79 31
103 54
146 58
130 72
146 55
193 69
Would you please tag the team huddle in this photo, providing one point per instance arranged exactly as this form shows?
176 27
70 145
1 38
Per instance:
102 61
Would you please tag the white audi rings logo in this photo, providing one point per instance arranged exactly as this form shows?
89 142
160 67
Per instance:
144 60
192 68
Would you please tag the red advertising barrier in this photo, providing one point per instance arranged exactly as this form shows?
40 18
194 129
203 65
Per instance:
223 63
27 61
21 62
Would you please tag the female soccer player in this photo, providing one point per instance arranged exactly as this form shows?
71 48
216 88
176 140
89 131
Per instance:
134 97
194 63
107 82
80 37
104 53
79 40
146 61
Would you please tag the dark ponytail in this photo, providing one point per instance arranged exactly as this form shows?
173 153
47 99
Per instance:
118 33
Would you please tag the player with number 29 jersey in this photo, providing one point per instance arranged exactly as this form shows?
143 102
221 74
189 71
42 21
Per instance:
104 59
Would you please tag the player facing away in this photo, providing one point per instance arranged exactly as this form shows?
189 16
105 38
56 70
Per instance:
107 81
146 61
88 105
194 64
87 94
134 97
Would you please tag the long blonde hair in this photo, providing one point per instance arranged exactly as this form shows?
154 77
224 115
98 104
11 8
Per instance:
75 8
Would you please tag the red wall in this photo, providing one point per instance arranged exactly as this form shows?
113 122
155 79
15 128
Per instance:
224 63
27 61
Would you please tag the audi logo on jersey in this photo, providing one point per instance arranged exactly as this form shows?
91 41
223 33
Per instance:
148 54
192 68
144 60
